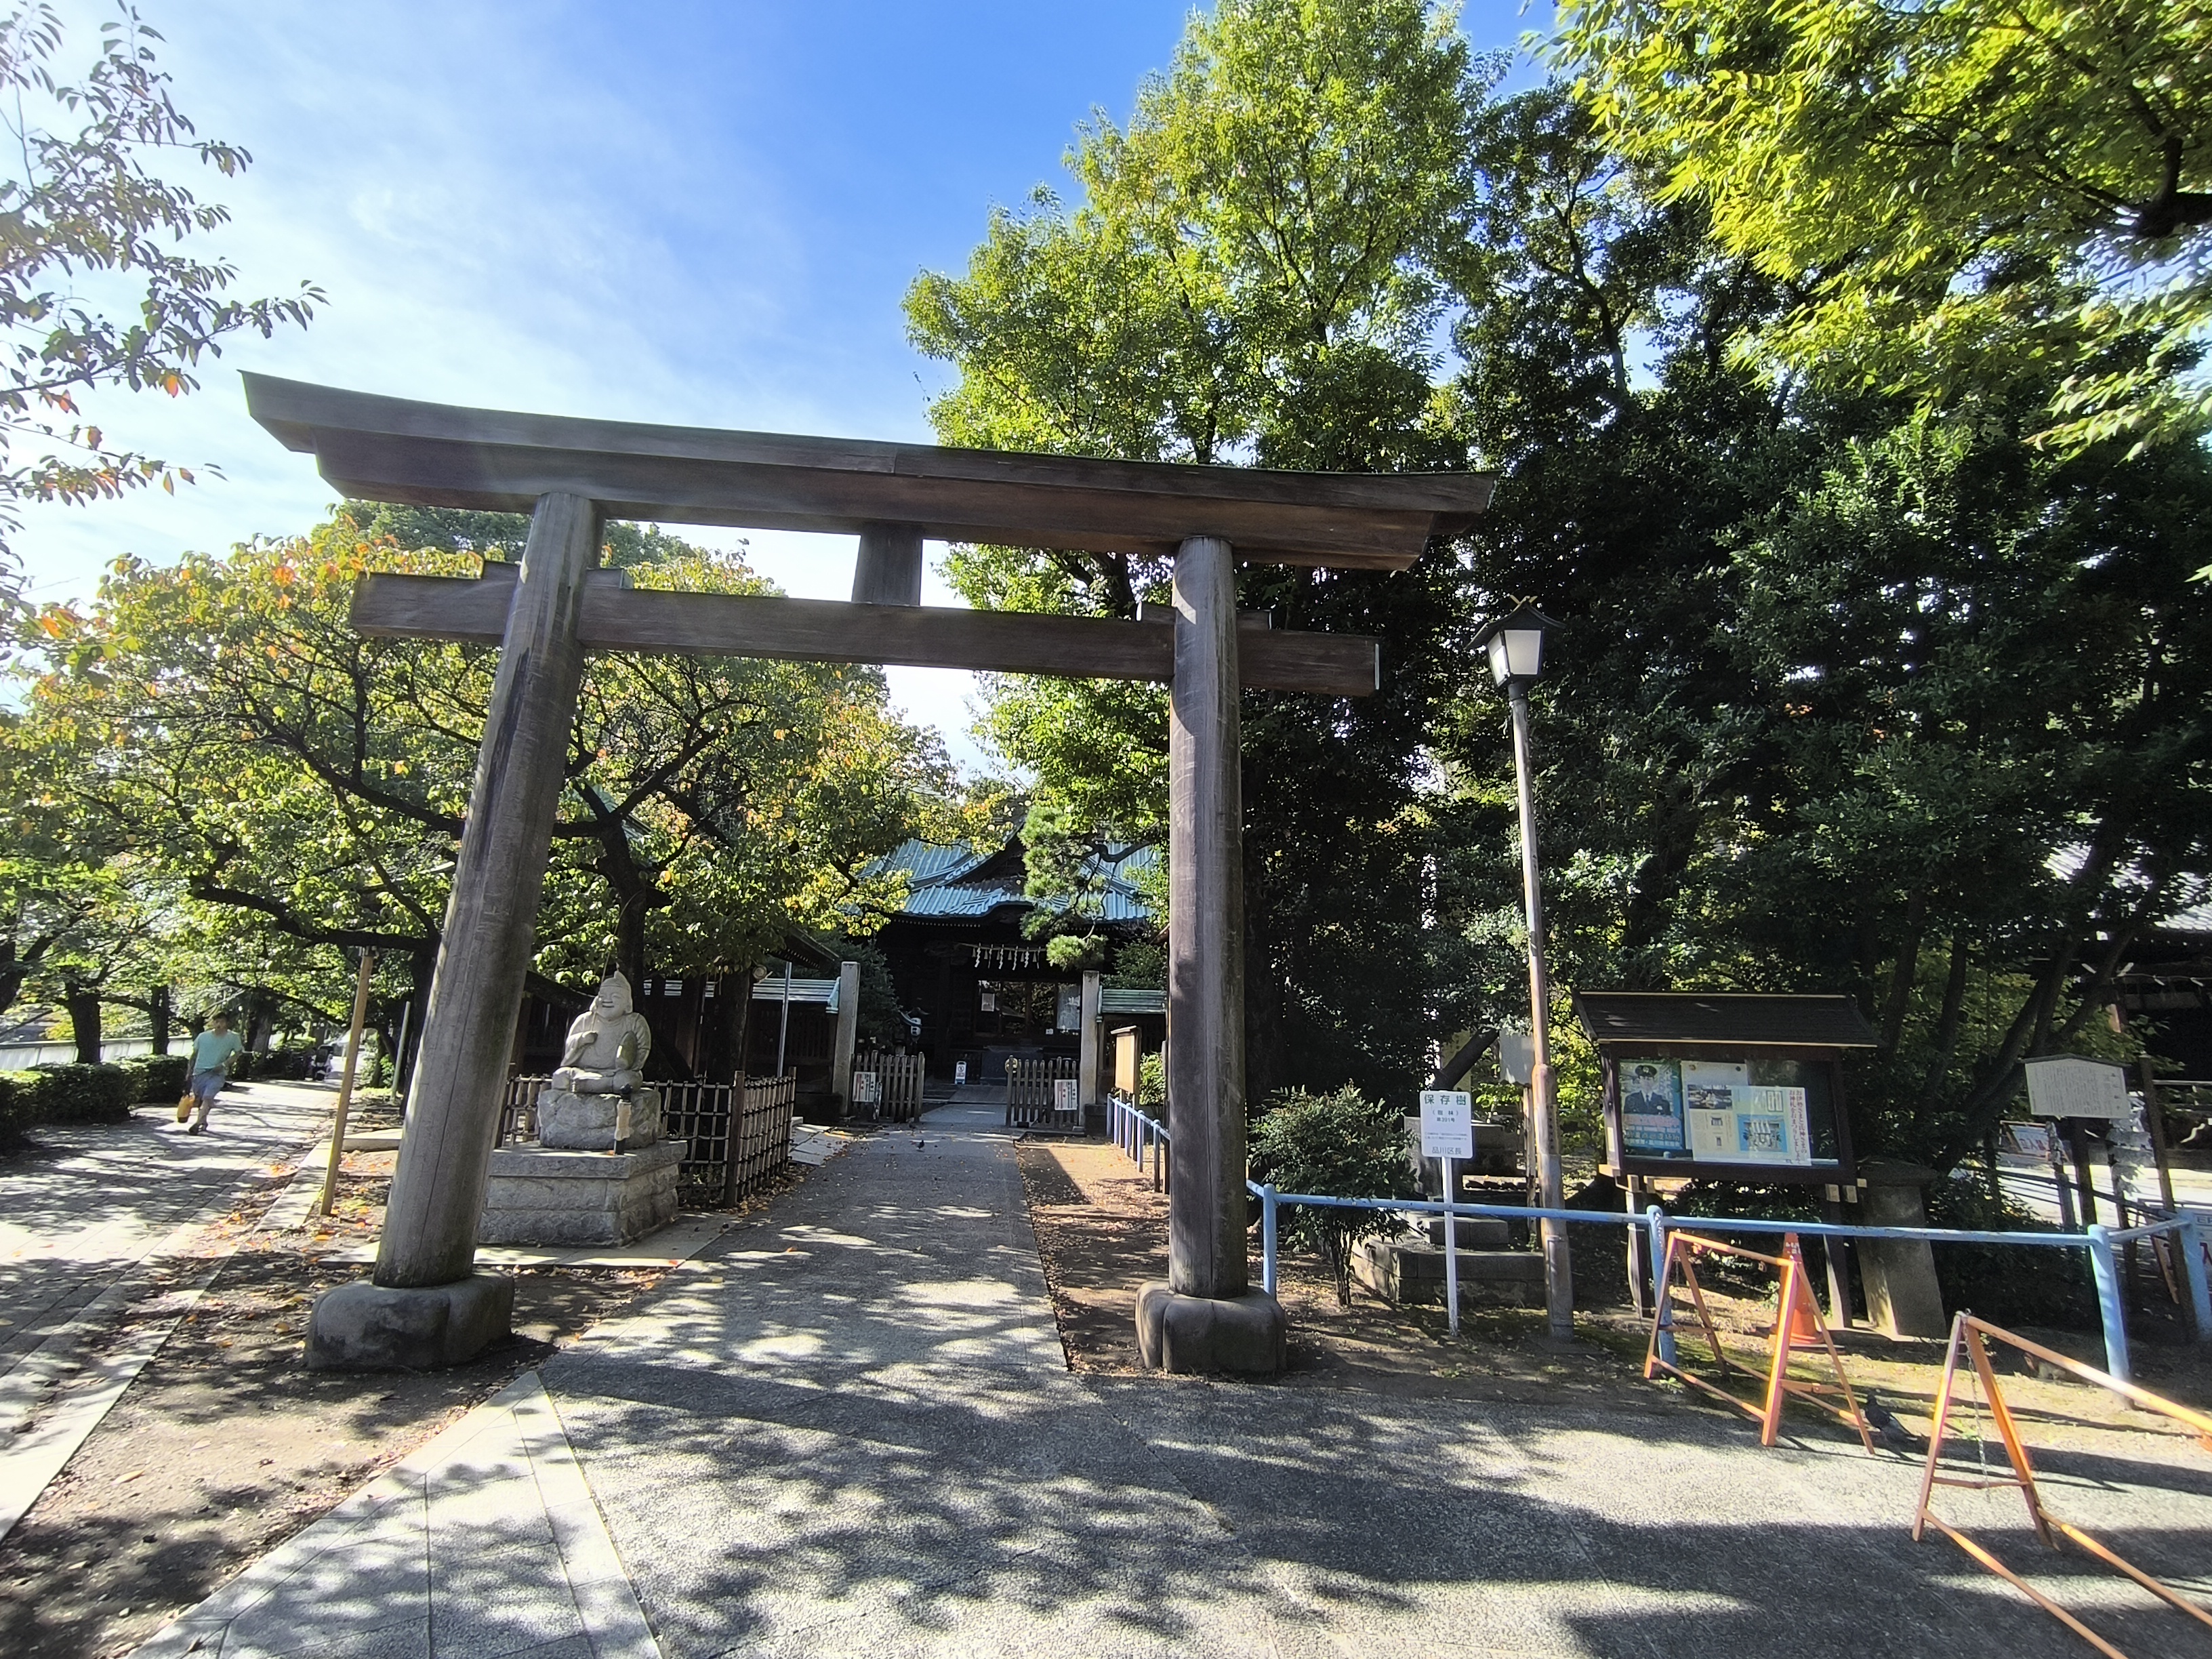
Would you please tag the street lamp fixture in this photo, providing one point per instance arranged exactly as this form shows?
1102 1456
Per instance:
1515 645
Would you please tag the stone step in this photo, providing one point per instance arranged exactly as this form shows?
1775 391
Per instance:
1476 1232
1411 1271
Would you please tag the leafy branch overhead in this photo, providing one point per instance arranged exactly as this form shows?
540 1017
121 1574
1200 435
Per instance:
1951 186
94 293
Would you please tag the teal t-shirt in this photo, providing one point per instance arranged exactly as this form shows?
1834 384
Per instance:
211 1050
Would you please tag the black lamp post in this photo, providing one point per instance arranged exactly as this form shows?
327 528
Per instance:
1515 643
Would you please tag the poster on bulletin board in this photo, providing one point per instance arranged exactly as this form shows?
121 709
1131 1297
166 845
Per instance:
1651 1108
1738 1123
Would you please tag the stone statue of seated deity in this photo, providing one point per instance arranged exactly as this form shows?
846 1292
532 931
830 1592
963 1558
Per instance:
601 1067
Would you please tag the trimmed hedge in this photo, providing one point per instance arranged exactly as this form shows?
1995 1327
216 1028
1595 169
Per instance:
285 1064
63 1094
158 1077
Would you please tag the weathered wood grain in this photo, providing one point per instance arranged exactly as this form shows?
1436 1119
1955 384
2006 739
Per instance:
440 455
1206 931
616 618
491 920
888 568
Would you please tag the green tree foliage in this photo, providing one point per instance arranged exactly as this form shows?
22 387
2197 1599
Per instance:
1846 695
303 788
78 200
1234 286
1856 688
881 1022
1944 184
1340 1145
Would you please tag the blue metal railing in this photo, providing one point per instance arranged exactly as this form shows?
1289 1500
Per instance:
1134 1132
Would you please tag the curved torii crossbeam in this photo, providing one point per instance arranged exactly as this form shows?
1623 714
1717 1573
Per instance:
571 476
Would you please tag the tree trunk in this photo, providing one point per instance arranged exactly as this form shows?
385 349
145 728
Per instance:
84 1012
1946 1024
1263 1009
1902 976
419 970
260 1022
157 1017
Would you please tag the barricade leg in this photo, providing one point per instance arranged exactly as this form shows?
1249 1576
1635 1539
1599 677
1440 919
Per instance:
2189 1245
1939 1425
1663 1330
2104 1268
1785 1310
1267 1239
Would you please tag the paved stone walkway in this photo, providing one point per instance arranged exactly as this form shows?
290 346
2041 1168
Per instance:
90 1201
101 1227
850 1431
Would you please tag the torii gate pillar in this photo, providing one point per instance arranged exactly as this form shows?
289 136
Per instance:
1207 1317
425 1306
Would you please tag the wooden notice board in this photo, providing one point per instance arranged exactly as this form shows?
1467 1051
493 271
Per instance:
1731 1087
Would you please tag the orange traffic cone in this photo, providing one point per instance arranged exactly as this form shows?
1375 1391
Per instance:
1805 1327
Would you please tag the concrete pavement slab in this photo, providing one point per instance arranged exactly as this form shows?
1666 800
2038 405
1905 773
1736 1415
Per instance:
851 1431
484 1543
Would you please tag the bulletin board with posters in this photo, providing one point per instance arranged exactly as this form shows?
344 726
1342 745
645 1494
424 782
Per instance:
1737 1086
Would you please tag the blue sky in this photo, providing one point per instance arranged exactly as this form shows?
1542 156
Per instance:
698 213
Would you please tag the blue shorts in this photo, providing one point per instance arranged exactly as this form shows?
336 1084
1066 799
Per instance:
206 1085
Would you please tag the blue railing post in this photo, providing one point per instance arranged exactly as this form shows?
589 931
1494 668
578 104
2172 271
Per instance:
1267 1239
2105 1269
1655 1219
2189 1245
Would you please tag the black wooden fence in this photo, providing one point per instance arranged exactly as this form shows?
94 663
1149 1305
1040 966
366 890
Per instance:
895 1094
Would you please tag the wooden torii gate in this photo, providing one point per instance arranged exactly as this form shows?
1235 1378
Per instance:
425 1304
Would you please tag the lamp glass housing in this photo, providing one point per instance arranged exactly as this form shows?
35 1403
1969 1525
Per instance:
1517 653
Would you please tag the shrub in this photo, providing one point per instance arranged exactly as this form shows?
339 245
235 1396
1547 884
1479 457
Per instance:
284 1064
1152 1084
158 1077
1341 1144
64 1094
2008 1283
14 1107
87 1094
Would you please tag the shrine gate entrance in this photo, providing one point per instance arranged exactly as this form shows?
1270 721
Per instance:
426 1305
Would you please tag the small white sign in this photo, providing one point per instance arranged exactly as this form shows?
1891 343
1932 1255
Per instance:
2068 1085
959 1073
1516 1057
1063 1095
867 1088
1447 1123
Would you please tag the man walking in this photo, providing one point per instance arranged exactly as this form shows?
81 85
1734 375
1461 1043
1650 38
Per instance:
211 1052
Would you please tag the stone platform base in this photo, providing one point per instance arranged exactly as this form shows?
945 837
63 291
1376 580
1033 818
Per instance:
365 1327
1405 1273
541 1195
1248 1333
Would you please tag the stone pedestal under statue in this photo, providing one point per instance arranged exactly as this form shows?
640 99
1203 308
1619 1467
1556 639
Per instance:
546 1196
600 1172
